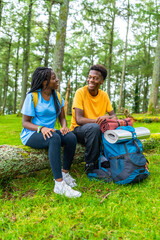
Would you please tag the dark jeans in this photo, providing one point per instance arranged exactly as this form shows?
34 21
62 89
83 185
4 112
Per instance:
54 149
89 135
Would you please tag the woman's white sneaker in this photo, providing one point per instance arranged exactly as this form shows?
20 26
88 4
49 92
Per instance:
68 179
63 189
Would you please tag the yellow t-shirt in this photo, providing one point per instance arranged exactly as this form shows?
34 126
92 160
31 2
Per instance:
92 106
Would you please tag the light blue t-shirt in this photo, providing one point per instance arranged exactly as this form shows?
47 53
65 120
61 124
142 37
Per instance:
44 114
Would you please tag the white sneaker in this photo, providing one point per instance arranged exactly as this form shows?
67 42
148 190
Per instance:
68 179
64 189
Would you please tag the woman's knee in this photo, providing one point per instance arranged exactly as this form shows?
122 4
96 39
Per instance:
70 138
55 138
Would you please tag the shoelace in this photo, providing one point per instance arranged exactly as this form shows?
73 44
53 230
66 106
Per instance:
69 176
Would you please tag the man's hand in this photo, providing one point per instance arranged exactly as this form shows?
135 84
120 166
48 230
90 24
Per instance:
64 130
47 132
102 118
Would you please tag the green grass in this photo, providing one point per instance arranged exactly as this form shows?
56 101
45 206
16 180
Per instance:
30 210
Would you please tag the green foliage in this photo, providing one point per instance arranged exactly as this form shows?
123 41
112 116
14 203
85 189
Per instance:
88 42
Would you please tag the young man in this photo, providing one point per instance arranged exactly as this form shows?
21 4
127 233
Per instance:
89 109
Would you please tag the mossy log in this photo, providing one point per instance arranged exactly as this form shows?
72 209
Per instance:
17 160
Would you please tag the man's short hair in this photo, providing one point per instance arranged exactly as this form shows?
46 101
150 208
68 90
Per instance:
101 69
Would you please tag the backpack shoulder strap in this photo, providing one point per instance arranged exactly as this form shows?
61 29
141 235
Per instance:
35 98
59 97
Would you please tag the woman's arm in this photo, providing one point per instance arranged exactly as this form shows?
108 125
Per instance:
26 122
64 130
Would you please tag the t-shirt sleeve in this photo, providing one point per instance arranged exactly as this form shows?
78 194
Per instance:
78 100
28 106
109 107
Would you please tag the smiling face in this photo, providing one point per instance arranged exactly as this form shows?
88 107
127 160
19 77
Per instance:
53 83
95 79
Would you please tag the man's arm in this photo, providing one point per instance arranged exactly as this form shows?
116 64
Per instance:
80 119
102 118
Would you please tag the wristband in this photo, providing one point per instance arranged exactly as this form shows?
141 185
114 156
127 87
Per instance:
39 129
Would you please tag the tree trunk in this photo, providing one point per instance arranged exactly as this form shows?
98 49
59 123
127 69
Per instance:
17 160
111 49
158 21
136 96
48 34
60 40
145 95
16 79
147 55
153 99
26 56
124 62
1 4
6 78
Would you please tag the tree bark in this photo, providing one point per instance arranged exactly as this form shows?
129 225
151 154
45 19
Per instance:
153 99
147 55
111 49
60 40
1 5
136 96
16 79
145 95
17 160
124 62
26 56
48 34
6 78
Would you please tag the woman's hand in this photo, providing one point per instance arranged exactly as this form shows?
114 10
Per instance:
64 130
47 132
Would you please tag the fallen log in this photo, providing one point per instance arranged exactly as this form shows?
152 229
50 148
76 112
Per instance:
17 160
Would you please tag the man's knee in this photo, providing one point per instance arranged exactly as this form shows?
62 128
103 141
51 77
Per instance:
94 129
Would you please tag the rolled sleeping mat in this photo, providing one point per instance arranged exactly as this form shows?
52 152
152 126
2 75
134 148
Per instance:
114 136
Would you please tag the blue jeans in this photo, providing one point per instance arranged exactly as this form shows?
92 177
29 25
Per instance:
90 135
54 144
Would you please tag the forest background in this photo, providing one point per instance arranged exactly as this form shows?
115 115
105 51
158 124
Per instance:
70 36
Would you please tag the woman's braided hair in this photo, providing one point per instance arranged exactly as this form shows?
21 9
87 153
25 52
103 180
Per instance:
39 76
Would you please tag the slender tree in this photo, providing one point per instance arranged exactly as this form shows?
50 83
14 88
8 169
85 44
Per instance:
153 99
26 55
60 39
49 9
111 48
124 60
6 77
16 77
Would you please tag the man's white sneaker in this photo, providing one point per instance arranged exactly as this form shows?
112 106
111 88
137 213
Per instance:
64 189
68 179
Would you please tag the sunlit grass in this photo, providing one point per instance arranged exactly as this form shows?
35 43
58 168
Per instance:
30 210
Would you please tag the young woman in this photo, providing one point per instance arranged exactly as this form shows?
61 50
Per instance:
38 128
